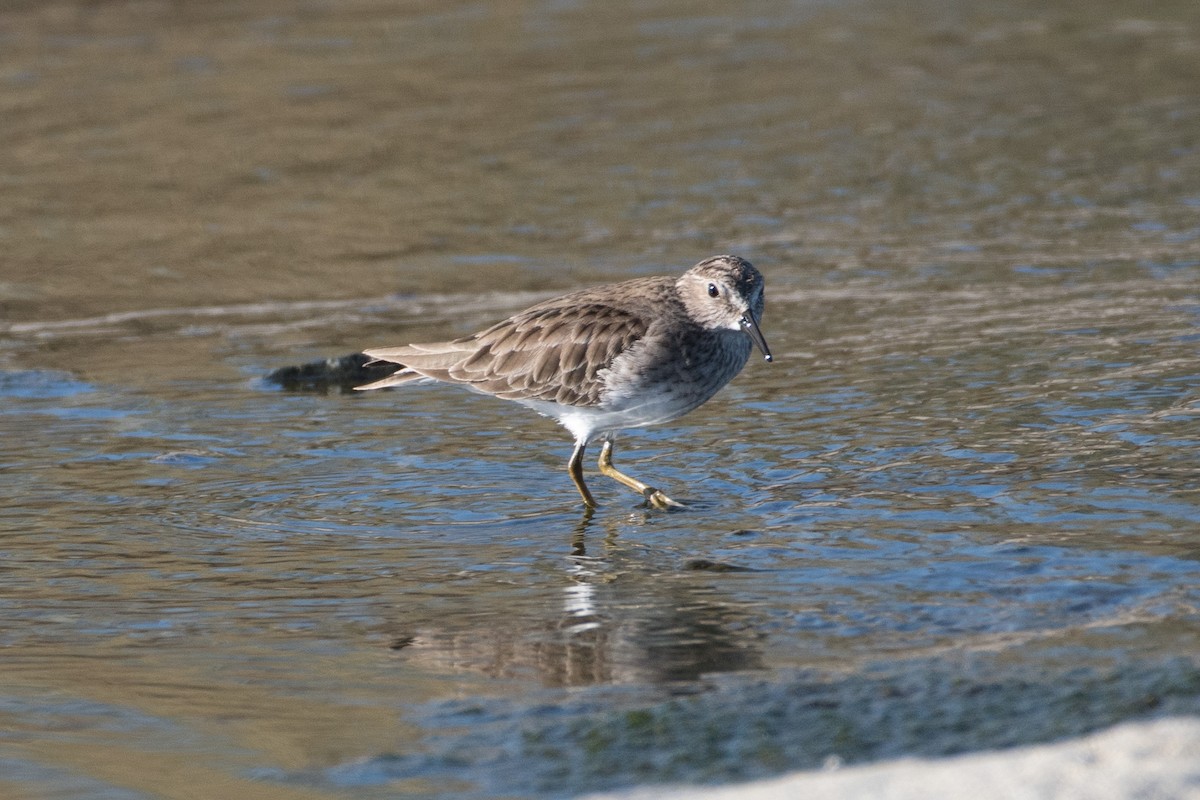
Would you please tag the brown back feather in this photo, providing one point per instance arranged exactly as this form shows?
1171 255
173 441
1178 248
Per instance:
541 354
553 351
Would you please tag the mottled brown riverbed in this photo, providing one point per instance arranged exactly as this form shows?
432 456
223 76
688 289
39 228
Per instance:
960 511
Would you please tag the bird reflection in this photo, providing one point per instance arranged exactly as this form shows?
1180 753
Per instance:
579 535
608 625
677 635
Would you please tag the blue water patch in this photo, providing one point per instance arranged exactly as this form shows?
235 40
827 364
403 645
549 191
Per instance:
41 385
45 780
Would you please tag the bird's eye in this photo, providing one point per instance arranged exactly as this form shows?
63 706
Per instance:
713 291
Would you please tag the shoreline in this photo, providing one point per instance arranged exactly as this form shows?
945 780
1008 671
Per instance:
1148 759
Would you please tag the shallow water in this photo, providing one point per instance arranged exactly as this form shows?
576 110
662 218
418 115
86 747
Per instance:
959 511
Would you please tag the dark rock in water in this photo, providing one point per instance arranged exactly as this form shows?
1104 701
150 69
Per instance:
342 374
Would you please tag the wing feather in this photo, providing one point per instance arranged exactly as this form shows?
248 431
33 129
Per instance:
555 351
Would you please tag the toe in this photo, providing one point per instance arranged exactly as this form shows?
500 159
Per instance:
659 500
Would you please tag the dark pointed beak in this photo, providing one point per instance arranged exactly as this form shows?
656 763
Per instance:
751 328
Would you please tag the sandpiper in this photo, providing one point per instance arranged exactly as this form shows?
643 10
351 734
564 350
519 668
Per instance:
629 354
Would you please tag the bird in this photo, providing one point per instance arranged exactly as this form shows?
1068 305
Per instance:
640 352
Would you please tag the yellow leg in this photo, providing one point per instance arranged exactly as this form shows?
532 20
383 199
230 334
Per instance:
653 496
575 470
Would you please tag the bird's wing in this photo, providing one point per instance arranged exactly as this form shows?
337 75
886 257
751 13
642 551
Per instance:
551 352
554 351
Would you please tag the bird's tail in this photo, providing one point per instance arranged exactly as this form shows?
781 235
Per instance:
415 362
395 379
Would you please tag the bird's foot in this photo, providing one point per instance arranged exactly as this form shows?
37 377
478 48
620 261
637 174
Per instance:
659 500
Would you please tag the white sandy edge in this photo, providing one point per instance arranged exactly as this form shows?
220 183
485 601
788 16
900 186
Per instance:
1157 760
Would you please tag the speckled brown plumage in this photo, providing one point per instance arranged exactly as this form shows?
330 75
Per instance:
634 353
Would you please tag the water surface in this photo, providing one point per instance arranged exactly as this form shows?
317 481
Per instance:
959 511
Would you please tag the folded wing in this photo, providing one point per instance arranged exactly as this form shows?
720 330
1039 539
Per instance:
543 353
